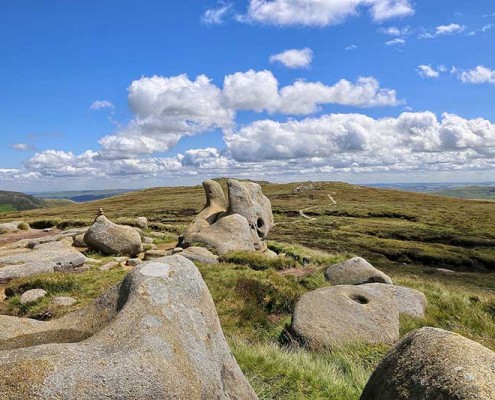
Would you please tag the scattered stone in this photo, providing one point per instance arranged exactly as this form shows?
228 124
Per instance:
270 253
410 302
113 239
199 254
148 240
142 222
156 234
44 258
355 271
148 246
93 261
80 270
32 296
242 226
304 187
176 250
64 301
79 241
445 271
431 363
109 265
152 254
158 337
120 259
132 262
334 316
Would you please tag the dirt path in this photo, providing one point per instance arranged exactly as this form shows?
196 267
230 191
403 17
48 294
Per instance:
302 212
8 238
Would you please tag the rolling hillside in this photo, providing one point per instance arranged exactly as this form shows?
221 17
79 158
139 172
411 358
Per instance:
11 201
387 226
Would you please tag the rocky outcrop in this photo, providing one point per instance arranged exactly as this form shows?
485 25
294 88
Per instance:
13 226
43 258
112 239
200 254
243 225
163 341
355 271
331 317
432 363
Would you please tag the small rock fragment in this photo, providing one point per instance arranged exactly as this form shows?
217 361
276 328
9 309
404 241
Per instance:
32 296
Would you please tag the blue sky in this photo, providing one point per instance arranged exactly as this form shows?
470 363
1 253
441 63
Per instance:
102 94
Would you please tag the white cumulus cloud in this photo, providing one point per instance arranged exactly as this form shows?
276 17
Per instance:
427 71
395 42
443 30
215 16
477 75
294 58
323 12
101 104
169 108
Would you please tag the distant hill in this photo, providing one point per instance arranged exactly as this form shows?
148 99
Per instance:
82 196
469 192
16 201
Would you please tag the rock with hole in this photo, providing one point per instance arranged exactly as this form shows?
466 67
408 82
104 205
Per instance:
331 317
410 302
242 225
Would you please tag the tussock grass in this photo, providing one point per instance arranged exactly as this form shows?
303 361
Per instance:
258 261
294 373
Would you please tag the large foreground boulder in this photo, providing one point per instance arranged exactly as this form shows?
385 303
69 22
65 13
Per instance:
332 317
163 341
243 225
432 364
355 271
113 239
43 258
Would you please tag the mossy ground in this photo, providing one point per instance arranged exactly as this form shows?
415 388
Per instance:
407 235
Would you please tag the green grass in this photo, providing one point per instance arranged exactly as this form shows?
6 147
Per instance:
6 208
407 235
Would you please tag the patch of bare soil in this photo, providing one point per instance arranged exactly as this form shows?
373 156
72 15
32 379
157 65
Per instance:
12 237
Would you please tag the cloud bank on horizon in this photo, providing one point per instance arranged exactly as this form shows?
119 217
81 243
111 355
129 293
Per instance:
291 122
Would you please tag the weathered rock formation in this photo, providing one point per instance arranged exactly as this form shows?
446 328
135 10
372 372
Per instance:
43 258
331 317
431 363
156 336
355 271
113 239
243 225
